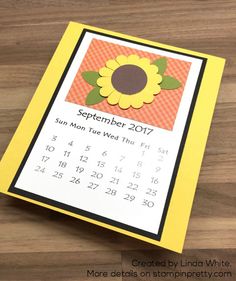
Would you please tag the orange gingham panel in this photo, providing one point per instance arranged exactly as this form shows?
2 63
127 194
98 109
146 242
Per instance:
160 113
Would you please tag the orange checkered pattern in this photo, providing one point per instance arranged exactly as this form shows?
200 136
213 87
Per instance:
160 113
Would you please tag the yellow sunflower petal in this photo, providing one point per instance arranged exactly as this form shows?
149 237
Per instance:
104 71
137 102
144 62
150 89
121 59
148 98
133 59
154 79
153 68
103 81
150 70
125 101
105 91
114 98
112 64
156 89
159 78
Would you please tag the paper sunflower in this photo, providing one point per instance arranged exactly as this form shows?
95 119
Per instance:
129 81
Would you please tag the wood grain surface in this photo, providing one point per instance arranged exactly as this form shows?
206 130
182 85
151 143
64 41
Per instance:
39 244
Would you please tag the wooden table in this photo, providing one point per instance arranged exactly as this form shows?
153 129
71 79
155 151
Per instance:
39 244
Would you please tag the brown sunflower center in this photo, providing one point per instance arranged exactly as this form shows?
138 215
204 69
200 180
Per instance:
129 79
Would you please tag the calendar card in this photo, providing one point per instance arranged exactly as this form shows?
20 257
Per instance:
115 134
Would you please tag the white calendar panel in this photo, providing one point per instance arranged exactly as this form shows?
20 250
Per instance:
104 164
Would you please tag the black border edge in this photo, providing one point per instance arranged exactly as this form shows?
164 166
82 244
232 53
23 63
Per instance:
87 214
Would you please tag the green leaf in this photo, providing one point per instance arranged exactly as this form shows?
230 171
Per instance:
94 97
169 83
91 77
161 64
